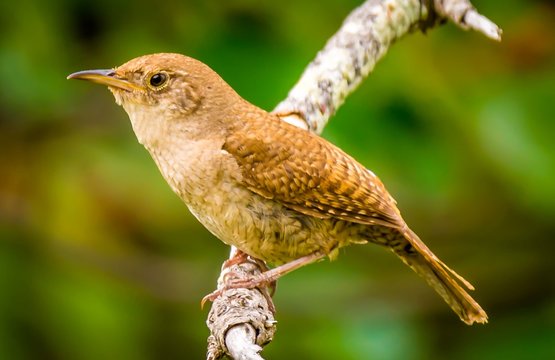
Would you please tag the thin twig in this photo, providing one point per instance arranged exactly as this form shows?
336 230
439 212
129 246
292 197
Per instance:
465 15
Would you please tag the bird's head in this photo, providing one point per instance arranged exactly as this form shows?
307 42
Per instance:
162 92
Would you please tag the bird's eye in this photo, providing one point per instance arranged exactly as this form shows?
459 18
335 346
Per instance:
158 80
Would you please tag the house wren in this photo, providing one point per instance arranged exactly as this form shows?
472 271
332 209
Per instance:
276 192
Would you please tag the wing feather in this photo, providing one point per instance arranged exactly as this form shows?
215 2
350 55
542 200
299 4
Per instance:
308 174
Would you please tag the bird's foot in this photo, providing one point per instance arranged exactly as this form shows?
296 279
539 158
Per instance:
231 281
234 278
257 281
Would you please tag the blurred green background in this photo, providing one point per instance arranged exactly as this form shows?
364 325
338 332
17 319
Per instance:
100 260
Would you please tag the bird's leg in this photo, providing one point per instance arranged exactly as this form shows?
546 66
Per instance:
270 276
237 257
266 278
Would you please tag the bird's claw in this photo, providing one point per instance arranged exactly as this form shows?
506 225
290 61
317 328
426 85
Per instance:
211 297
231 282
227 281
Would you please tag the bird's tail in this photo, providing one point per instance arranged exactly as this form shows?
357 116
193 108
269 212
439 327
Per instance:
446 282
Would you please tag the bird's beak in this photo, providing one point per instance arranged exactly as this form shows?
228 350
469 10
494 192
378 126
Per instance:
106 77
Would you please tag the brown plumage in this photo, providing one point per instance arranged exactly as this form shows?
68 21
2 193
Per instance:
276 192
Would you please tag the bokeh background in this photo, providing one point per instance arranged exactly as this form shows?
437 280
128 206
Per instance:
100 260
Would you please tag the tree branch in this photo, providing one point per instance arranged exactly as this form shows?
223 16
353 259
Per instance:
241 320
363 39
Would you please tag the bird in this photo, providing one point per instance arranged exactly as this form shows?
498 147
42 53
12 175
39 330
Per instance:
276 192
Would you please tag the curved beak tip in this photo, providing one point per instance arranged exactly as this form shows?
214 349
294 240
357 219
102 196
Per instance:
91 74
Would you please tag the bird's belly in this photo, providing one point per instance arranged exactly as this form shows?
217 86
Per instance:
265 229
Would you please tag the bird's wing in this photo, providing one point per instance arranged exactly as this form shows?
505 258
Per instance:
306 173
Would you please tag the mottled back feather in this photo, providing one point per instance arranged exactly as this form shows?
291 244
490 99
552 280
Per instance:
306 173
